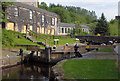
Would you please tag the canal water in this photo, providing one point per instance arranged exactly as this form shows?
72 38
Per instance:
29 72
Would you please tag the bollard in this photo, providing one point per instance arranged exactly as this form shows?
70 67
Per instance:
66 44
54 47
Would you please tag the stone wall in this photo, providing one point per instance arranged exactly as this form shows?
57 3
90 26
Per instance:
85 30
65 33
23 19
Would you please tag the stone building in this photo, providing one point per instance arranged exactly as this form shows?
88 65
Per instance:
65 28
85 28
24 17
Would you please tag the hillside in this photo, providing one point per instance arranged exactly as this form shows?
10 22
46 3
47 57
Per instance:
10 38
71 14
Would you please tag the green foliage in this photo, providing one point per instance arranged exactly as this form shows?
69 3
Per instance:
7 39
43 5
90 69
113 27
62 39
102 26
2 12
5 4
64 14
92 27
81 11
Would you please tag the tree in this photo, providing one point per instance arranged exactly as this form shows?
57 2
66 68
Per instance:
52 5
113 27
43 5
102 26
77 27
64 14
2 12
92 27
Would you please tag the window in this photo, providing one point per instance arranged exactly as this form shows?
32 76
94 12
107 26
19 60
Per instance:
43 18
65 30
62 30
59 30
30 14
32 3
16 11
68 30
83 30
53 21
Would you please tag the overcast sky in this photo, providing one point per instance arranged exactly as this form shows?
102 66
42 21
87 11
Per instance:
108 7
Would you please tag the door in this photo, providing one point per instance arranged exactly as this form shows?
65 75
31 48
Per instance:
25 28
42 30
49 31
53 31
10 26
38 30
31 27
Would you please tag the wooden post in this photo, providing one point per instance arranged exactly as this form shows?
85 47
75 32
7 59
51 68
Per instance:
37 53
37 36
26 34
48 54
49 41
46 43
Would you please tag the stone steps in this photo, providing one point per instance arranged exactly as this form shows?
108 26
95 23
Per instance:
33 40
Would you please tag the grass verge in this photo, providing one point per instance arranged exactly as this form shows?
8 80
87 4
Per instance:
104 50
10 38
90 69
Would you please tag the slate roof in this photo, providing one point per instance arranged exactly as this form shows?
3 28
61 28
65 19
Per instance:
84 26
66 25
35 8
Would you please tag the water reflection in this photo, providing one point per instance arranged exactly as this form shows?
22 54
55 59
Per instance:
28 72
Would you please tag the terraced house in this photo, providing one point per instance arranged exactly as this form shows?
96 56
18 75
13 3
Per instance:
26 16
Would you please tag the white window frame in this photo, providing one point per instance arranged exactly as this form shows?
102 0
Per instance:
31 14
43 18
62 30
65 30
68 30
32 3
53 21
16 11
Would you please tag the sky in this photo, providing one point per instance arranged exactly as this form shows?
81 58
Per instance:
108 7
